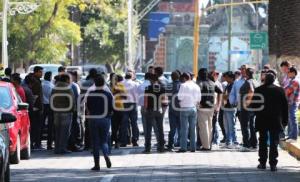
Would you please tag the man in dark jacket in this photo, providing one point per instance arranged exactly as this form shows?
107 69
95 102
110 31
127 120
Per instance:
36 123
271 117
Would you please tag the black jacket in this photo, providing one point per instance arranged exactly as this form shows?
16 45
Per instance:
272 114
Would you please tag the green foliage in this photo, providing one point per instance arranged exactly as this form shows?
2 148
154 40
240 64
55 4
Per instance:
105 25
44 35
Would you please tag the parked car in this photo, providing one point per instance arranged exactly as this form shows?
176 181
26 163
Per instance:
78 69
19 131
5 118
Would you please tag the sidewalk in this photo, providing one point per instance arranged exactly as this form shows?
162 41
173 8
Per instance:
292 148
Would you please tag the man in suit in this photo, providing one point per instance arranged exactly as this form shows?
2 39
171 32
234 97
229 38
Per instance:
271 117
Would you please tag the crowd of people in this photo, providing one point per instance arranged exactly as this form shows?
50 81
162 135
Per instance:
97 113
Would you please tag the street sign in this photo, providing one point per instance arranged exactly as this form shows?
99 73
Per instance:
258 40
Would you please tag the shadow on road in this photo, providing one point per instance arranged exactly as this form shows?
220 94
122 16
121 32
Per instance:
157 173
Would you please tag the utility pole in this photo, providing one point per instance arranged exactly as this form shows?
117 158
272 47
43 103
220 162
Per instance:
130 35
4 34
13 8
229 35
196 36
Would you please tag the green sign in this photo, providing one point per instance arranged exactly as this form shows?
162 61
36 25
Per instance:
259 40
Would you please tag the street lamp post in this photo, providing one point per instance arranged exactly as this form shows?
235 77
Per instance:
13 8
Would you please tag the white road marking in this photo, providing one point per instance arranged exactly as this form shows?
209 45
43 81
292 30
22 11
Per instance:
107 178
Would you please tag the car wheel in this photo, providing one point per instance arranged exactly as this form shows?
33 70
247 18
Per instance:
15 158
26 153
7 173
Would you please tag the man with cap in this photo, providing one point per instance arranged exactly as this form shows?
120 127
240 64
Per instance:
292 92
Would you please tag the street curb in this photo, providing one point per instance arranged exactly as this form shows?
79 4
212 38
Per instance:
291 148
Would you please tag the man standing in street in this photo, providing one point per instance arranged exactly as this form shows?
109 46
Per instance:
36 123
141 94
130 112
174 111
206 110
189 97
62 104
48 114
155 105
271 118
293 94
247 117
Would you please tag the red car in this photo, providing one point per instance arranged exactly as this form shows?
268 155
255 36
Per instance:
19 131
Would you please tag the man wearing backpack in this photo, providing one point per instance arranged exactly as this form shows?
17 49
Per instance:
206 108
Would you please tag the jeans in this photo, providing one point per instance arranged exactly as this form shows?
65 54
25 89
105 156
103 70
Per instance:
215 135
229 125
76 131
132 115
48 114
264 137
154 118
188 127
99 129
293 123
174 121
62 123
247 120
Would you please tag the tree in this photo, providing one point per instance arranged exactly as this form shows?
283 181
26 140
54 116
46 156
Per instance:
104 25
44 35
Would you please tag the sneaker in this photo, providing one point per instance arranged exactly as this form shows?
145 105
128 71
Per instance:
223 140
244 149
96 168
135 144
273 168
230 146
180 151
146 152
236 143
262 166
291 141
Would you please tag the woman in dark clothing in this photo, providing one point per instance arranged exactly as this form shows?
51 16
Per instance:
100 107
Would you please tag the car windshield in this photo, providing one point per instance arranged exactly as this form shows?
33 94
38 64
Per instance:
53 69
5 98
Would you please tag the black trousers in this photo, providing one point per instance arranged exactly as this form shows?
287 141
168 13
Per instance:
247 120
221 123
265 136
48 115
116 126
154 118
36 128
76 131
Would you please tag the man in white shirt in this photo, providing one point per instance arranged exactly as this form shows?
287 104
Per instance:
130 111
189 97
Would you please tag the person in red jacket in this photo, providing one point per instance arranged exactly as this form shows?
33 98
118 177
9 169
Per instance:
16 81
